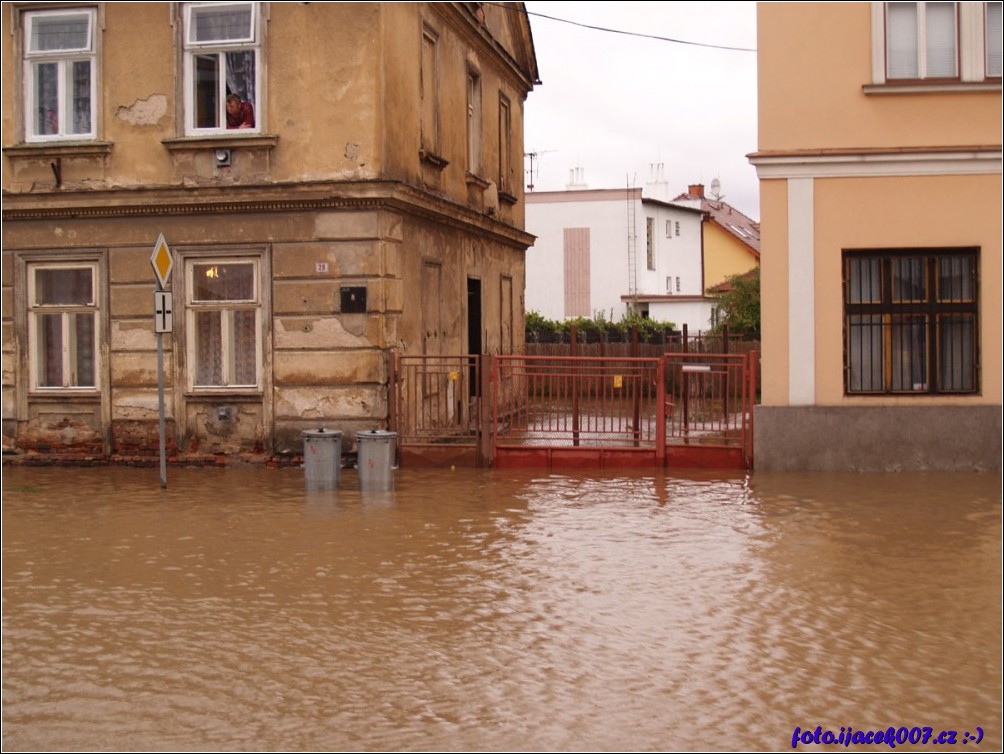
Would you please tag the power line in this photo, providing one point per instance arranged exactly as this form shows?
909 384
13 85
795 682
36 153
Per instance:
638 34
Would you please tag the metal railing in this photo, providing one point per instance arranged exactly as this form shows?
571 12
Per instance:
686 408
576 401
433 402
708 398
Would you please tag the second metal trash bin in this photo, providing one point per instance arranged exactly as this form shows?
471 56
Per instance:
322 458
376 459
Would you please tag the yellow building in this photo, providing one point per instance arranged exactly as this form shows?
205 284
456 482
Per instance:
730 240
336 181
879 161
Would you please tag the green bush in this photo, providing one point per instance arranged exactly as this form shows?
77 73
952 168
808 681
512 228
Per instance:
739 308
539 329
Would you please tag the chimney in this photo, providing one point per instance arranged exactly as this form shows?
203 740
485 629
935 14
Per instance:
657 187
576 180
696 190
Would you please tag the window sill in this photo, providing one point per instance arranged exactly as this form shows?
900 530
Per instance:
432 159
476 180
928 87
63 394
254 141
223 392
506 197
51 149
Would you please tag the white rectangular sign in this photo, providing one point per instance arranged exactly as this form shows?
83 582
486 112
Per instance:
163 312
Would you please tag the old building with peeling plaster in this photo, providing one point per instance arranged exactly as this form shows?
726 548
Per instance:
336 182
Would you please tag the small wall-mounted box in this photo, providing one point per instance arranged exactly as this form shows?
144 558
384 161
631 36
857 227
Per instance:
353 299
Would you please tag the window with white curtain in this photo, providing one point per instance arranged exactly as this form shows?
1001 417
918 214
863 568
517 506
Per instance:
223 320
993 40
222 67
63 326
921 41
935 44
59 65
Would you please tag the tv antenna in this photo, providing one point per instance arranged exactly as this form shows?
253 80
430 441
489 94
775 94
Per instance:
534 171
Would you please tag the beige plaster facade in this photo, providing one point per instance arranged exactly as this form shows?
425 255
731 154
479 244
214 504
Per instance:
856 164
383 171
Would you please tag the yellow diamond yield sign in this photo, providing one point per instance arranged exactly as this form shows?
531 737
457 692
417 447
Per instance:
162 261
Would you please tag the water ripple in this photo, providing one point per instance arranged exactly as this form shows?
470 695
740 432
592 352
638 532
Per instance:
494 610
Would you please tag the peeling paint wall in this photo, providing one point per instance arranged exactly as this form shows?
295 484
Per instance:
329 195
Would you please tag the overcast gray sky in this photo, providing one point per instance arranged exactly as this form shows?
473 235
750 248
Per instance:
613 104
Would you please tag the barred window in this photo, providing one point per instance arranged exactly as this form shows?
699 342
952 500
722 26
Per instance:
911 321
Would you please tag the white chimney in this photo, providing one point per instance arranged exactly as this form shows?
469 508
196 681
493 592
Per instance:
576 180
657 187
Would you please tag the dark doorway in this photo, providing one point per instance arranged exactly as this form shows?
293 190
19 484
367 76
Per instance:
474 344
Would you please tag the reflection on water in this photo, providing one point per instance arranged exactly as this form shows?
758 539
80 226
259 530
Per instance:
495 609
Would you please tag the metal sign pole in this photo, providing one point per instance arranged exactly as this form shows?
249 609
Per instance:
163 321
160 405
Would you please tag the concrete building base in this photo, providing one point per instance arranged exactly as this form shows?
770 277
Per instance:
880 438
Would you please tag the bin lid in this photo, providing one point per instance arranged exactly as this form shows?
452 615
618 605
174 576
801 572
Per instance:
322 432
375 434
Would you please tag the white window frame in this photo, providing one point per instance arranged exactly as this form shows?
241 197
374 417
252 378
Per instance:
924 32
64 59
37 310
193 49
971 49
227 307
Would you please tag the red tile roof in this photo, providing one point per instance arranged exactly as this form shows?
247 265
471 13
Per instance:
729 218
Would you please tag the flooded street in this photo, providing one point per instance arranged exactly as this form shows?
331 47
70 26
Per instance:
501 610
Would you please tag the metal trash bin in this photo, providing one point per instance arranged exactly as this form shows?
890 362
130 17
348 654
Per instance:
322 458
376 459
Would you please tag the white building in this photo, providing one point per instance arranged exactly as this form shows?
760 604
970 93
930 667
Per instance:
610 251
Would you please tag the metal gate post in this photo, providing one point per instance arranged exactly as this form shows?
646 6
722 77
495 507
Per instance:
486 418
660 411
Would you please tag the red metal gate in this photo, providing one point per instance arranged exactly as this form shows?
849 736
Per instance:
683 410
680 410
709 409
435 407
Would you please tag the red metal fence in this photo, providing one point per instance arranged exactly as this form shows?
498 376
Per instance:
436 408
600 409
709 409
677 409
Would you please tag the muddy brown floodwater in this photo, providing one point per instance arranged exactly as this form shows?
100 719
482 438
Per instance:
499 610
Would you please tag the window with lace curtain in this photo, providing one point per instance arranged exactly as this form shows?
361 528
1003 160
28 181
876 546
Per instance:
222 67
62 326
223 322
59 72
